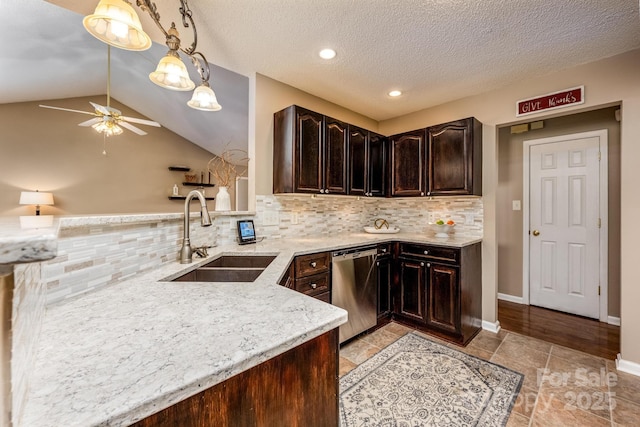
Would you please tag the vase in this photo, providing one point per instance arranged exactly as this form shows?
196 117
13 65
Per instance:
223 199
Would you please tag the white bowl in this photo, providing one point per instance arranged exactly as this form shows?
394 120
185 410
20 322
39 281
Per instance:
441 230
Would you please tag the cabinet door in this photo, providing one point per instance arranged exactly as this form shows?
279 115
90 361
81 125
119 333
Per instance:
443 296
377 165
408 164
357 161
384 275
410 302
336 139
451 158
309 167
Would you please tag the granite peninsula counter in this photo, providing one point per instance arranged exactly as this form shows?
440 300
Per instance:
116 355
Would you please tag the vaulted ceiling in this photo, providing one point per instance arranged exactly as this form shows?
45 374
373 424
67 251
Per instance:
433 50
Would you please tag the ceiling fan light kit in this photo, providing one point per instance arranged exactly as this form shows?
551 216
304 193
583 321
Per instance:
116 23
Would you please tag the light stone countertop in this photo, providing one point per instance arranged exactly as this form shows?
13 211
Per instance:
119 354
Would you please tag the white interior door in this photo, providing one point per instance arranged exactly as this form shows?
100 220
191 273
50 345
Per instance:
564 224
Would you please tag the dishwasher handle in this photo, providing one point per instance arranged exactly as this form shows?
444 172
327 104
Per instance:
345 255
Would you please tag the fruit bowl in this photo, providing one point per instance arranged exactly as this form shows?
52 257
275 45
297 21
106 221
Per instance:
442 230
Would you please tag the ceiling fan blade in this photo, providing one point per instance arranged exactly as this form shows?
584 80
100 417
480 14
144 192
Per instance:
100 108
132 128
67 109
141 121
91 122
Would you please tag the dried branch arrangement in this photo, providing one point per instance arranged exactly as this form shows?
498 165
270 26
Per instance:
226 167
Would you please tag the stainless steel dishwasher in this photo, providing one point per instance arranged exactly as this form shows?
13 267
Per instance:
354 288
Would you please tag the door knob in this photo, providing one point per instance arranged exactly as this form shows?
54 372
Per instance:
536 233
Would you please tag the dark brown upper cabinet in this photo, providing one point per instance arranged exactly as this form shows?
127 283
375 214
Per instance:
335 156
367 163
297 151
454 154
309 152
408 173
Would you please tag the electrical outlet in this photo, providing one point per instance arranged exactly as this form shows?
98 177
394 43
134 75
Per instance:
271 218
294 218
469 219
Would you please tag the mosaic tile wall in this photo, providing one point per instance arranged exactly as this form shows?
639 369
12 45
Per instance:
26 320
90 257
301 216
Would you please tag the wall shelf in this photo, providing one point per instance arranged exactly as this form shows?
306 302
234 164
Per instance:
179 168
184 197
197 184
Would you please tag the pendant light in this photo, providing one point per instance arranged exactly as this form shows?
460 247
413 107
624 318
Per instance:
115 22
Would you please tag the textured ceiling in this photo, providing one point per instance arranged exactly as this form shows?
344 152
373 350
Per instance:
435 51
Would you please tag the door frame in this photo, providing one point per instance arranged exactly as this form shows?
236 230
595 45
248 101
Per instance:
604 213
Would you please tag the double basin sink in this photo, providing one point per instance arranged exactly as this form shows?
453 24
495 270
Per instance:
228 268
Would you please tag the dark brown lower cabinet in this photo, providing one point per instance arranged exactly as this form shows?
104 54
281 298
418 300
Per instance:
410 301
384 279
439 290
296 388
443 311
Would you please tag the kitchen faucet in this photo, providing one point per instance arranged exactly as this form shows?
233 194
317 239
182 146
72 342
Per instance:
186 251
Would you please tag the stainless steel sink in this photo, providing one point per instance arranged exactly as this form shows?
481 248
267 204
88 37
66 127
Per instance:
248 261
228 268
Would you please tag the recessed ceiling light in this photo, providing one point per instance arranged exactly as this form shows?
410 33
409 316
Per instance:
327 54
395 93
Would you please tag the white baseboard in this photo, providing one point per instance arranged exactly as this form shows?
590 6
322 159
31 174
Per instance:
613 320
491 326
632 368
510 298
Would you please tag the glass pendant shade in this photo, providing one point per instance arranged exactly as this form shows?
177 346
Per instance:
115 22
171 73
204 98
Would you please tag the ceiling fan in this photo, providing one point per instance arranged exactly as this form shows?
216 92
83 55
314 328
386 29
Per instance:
108 120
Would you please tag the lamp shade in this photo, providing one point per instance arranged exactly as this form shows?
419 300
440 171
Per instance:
36 198
171 73
204 98
116 23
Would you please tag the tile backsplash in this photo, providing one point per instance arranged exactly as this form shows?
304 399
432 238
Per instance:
27 315
288 216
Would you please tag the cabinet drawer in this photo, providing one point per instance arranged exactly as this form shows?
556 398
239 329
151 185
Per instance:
307 265
313 285
431 252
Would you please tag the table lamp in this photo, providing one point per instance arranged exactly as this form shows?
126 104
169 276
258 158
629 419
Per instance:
36 198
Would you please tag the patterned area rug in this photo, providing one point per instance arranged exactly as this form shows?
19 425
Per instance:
417 382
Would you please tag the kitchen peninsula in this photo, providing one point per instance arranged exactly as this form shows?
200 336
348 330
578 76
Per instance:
116 355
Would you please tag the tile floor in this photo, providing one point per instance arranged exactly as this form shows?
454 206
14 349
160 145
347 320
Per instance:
562 387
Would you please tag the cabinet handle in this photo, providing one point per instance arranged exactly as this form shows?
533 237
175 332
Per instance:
313 264
428 193
322 191
422 264
426 252
326 191
383 250
428 265
313 285
422 193
378 263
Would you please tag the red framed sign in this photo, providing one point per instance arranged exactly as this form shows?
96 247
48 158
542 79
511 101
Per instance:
550 101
